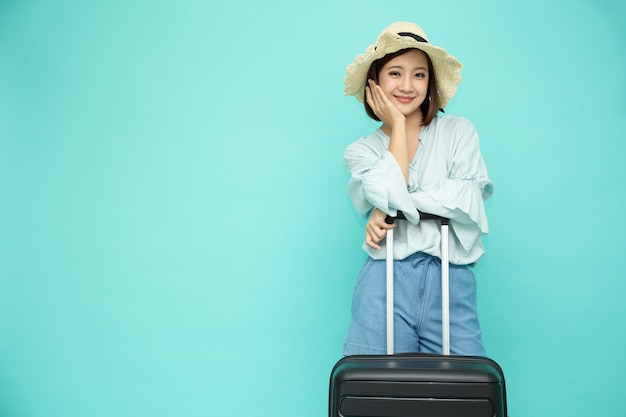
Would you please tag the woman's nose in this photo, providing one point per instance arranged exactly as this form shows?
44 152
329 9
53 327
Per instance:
405 84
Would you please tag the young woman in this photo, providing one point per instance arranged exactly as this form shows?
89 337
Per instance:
417 160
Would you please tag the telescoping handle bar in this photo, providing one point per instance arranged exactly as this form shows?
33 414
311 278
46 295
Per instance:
423 216
445 281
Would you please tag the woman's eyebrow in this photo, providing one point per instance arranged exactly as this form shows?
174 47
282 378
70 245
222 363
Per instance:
401 67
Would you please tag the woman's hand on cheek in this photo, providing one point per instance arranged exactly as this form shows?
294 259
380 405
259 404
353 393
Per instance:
386 111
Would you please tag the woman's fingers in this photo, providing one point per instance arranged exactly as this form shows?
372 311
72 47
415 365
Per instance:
376 92
376 230
371 242
386 111
371 100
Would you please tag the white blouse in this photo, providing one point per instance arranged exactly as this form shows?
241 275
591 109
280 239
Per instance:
447 177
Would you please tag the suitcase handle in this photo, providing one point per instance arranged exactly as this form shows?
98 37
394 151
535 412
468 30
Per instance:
423 216
445 281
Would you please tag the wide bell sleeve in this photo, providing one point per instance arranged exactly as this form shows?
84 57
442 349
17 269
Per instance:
376 180
460 194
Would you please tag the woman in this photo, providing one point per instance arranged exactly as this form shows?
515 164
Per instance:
416 160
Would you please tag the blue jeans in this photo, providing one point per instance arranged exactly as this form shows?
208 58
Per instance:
417 310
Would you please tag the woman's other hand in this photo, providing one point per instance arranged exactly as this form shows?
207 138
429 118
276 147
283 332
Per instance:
376 229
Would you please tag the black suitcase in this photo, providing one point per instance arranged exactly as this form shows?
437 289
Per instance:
417 385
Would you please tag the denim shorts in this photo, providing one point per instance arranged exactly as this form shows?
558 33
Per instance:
417 309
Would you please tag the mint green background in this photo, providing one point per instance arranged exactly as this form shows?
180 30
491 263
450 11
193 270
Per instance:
175 235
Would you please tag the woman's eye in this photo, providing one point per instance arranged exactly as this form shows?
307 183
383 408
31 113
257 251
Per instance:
394 73
420 75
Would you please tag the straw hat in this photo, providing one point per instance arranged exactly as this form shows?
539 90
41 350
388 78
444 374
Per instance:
397 36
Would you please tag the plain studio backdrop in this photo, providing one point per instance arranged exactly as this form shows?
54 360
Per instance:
175 233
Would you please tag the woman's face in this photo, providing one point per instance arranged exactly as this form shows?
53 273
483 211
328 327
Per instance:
404 80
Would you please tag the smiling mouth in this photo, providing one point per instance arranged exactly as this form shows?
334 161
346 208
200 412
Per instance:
404 99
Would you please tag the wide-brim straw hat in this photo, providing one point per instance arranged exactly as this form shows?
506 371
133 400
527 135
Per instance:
403 35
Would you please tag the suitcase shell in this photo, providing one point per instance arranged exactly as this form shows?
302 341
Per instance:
410 385
417 384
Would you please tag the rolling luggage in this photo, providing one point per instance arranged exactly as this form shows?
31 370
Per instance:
417 384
